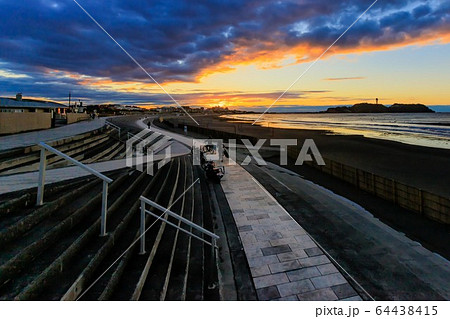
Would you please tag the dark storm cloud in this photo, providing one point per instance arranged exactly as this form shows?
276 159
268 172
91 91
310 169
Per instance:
177 40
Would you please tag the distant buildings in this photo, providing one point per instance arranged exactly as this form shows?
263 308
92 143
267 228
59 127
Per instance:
21 115
192 109
21 105
113 109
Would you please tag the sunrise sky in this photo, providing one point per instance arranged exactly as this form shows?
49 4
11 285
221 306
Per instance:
239 54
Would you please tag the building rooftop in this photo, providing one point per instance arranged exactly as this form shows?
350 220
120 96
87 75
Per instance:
19 102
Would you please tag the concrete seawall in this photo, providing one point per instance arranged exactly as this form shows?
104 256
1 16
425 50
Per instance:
11 123
417 200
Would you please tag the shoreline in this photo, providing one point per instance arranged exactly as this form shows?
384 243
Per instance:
422 167
417 130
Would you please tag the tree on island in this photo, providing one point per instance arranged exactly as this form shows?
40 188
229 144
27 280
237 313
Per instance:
380 108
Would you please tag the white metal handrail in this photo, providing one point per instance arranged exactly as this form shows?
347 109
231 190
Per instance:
145 200
41 183
135 137
114 126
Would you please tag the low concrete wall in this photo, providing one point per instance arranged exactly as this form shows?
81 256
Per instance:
11 123
76 117
417 200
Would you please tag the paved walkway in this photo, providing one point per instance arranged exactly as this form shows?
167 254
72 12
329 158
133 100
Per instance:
187 140
285 262
387 263
31 138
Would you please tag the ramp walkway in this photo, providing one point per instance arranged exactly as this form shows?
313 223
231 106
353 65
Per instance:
31 138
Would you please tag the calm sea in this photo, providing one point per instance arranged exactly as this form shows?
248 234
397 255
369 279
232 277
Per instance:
426 129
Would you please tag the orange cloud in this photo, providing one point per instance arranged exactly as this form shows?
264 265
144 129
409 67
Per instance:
344 79
273 54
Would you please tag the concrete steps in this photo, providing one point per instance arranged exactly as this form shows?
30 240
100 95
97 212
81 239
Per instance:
39 244
12 160
54 252
99 145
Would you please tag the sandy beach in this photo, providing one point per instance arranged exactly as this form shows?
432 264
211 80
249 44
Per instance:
426 168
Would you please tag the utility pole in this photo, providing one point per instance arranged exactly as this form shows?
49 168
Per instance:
70 95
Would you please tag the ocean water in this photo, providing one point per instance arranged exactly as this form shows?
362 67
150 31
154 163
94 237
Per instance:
425 129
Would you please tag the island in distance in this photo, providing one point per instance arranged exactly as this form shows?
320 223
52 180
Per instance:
380 108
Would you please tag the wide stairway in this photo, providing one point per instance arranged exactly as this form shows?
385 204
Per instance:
55 251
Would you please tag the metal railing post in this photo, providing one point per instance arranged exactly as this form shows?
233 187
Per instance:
212 283
41 182
142 228
114 126
106 180
104 208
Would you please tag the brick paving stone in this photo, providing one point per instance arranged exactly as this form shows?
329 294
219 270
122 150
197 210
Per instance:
254 211
328 280
314 261
268 293
325 294
248 237
289 298
303 273
327 269
269 236
270 280
293 232
245 221
258 198
344 291
268 251
315 251
304 245
295 254
303 238
260 271
282 241
268 221
296 287
285 266
257 217
245 228
261 261
253 252
292 226
259 244
240 216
